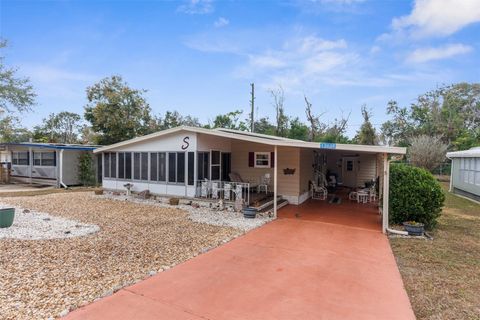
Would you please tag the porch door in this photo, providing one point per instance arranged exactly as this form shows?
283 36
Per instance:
226 165
349 172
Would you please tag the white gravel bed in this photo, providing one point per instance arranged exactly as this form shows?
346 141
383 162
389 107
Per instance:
201 212
33 225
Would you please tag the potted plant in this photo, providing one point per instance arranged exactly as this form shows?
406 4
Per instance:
6 217
249 212
414 228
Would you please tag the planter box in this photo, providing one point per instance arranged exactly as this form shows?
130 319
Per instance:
6 217
249 213
414 229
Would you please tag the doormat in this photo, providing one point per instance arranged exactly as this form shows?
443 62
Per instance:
335 200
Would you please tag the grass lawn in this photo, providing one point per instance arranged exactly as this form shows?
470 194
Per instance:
442 277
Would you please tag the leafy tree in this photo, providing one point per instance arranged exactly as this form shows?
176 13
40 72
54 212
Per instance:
298 130
16 93
12 131
118 112
427 152
366 134
63 127
174 119
230 120
264 126
452 112
282 119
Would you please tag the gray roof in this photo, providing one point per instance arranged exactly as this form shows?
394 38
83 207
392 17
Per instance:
471 153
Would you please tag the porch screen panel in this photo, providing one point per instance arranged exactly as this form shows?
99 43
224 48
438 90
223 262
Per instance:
113 163
154 166
106 165
128 165
191 168
172 167
23 158
203 165
121 165
144 168
136 166
162 166
181 167
48 159
37 158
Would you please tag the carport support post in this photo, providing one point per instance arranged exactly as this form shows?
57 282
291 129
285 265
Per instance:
386 182
275 174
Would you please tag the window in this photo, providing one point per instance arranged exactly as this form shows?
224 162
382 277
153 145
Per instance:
215 167
128 165
121 165
140 166
106 165
203 165
349 165
48 159
157 166
176 167
125 165
191 168
113 165
37 158
470 170
262 159
21 158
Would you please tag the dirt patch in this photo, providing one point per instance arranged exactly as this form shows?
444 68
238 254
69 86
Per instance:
40 279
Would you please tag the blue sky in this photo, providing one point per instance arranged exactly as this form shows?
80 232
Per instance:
199 57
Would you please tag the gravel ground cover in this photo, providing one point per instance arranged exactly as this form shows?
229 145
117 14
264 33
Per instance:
33 225
43 279
202 212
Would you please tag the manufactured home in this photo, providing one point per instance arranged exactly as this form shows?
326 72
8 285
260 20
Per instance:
228 164
465 173
45 163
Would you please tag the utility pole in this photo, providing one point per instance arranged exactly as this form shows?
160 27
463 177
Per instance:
252 103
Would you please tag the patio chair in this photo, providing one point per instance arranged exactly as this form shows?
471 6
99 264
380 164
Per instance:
227 189
215 190
238 192
235 177
318 192
204 189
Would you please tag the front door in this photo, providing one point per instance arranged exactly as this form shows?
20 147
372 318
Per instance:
349 172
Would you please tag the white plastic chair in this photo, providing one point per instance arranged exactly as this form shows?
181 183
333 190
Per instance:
215 190
319 193
227 188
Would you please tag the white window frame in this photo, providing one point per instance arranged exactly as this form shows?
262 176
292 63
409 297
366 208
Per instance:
268 165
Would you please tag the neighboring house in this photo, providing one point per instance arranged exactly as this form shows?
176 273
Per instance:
45 163
185 161
465 173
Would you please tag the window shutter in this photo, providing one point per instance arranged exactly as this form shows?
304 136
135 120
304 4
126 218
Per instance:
251 159
272 159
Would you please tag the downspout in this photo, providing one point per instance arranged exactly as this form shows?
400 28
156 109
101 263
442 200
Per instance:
275 161
386 195
450 188
60 173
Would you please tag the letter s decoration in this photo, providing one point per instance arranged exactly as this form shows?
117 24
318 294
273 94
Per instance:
186 143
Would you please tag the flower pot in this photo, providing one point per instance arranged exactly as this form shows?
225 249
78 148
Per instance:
6 217
414 229
174 201
249 213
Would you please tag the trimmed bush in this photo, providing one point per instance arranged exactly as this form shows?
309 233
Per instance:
415 195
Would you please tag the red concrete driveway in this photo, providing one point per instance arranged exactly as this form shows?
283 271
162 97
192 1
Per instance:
292 268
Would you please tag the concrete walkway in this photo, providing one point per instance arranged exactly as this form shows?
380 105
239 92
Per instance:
301 267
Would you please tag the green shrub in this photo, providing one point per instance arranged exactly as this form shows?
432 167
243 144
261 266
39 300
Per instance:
86 169
415 195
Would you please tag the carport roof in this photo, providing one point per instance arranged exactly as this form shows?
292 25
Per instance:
56 146
258 138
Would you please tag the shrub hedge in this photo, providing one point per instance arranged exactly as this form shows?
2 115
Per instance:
415 195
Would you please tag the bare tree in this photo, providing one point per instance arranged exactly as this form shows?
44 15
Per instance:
278 96
316 127
427 151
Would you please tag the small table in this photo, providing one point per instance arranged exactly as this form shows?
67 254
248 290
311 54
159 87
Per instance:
362 197
262 187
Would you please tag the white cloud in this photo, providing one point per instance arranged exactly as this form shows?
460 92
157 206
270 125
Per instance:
375 49
438 17
428 54
196 7
221 22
